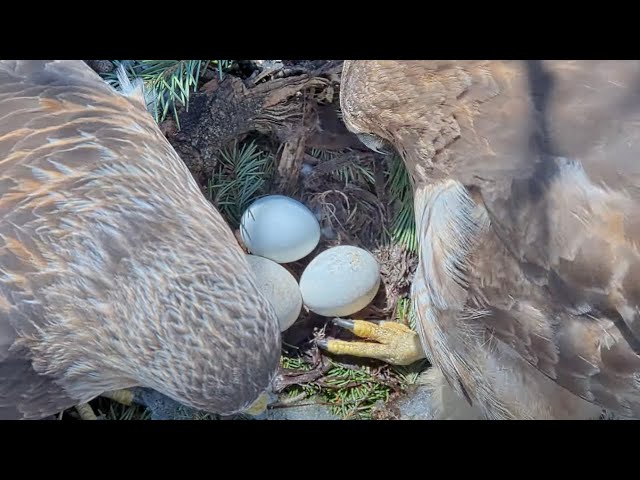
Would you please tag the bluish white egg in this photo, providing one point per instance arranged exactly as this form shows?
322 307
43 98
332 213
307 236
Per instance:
279 287
279 228
340 281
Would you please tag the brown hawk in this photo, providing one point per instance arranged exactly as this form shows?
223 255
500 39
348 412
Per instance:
115 271
526 178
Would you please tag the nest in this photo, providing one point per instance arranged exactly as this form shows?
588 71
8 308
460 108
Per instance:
272 127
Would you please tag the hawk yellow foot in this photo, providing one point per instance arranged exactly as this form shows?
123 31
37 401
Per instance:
124 397
121 396
397 344
86 412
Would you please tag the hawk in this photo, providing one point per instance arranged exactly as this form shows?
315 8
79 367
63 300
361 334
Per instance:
526 179
115 271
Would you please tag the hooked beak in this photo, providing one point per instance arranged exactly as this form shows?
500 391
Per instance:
376 144
258 408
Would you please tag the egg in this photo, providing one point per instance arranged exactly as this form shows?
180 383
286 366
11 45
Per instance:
279 287
340 281
279 228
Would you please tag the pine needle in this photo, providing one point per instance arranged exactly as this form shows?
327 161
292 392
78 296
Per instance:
403 226
351 392
171 81
356 391
223 66
116 411
348 173
240 179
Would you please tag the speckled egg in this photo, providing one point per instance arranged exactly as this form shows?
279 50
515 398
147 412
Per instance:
279 287
279 228
340 281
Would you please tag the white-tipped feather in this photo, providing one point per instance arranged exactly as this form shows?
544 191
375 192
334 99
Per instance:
127 88
136 89
448 225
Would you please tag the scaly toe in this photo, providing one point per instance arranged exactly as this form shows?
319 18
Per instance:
397 344
86 412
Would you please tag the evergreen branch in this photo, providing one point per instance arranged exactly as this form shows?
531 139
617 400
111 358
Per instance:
240 178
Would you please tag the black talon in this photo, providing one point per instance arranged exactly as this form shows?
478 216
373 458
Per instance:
341 322
324 344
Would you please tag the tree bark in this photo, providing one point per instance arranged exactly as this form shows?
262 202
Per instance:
285 109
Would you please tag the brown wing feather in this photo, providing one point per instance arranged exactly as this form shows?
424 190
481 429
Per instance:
114 268
563 293
573 227
574 224
588 356
47 108
30 94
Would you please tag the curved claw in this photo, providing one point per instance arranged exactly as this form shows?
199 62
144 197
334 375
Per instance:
397 344
343 323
